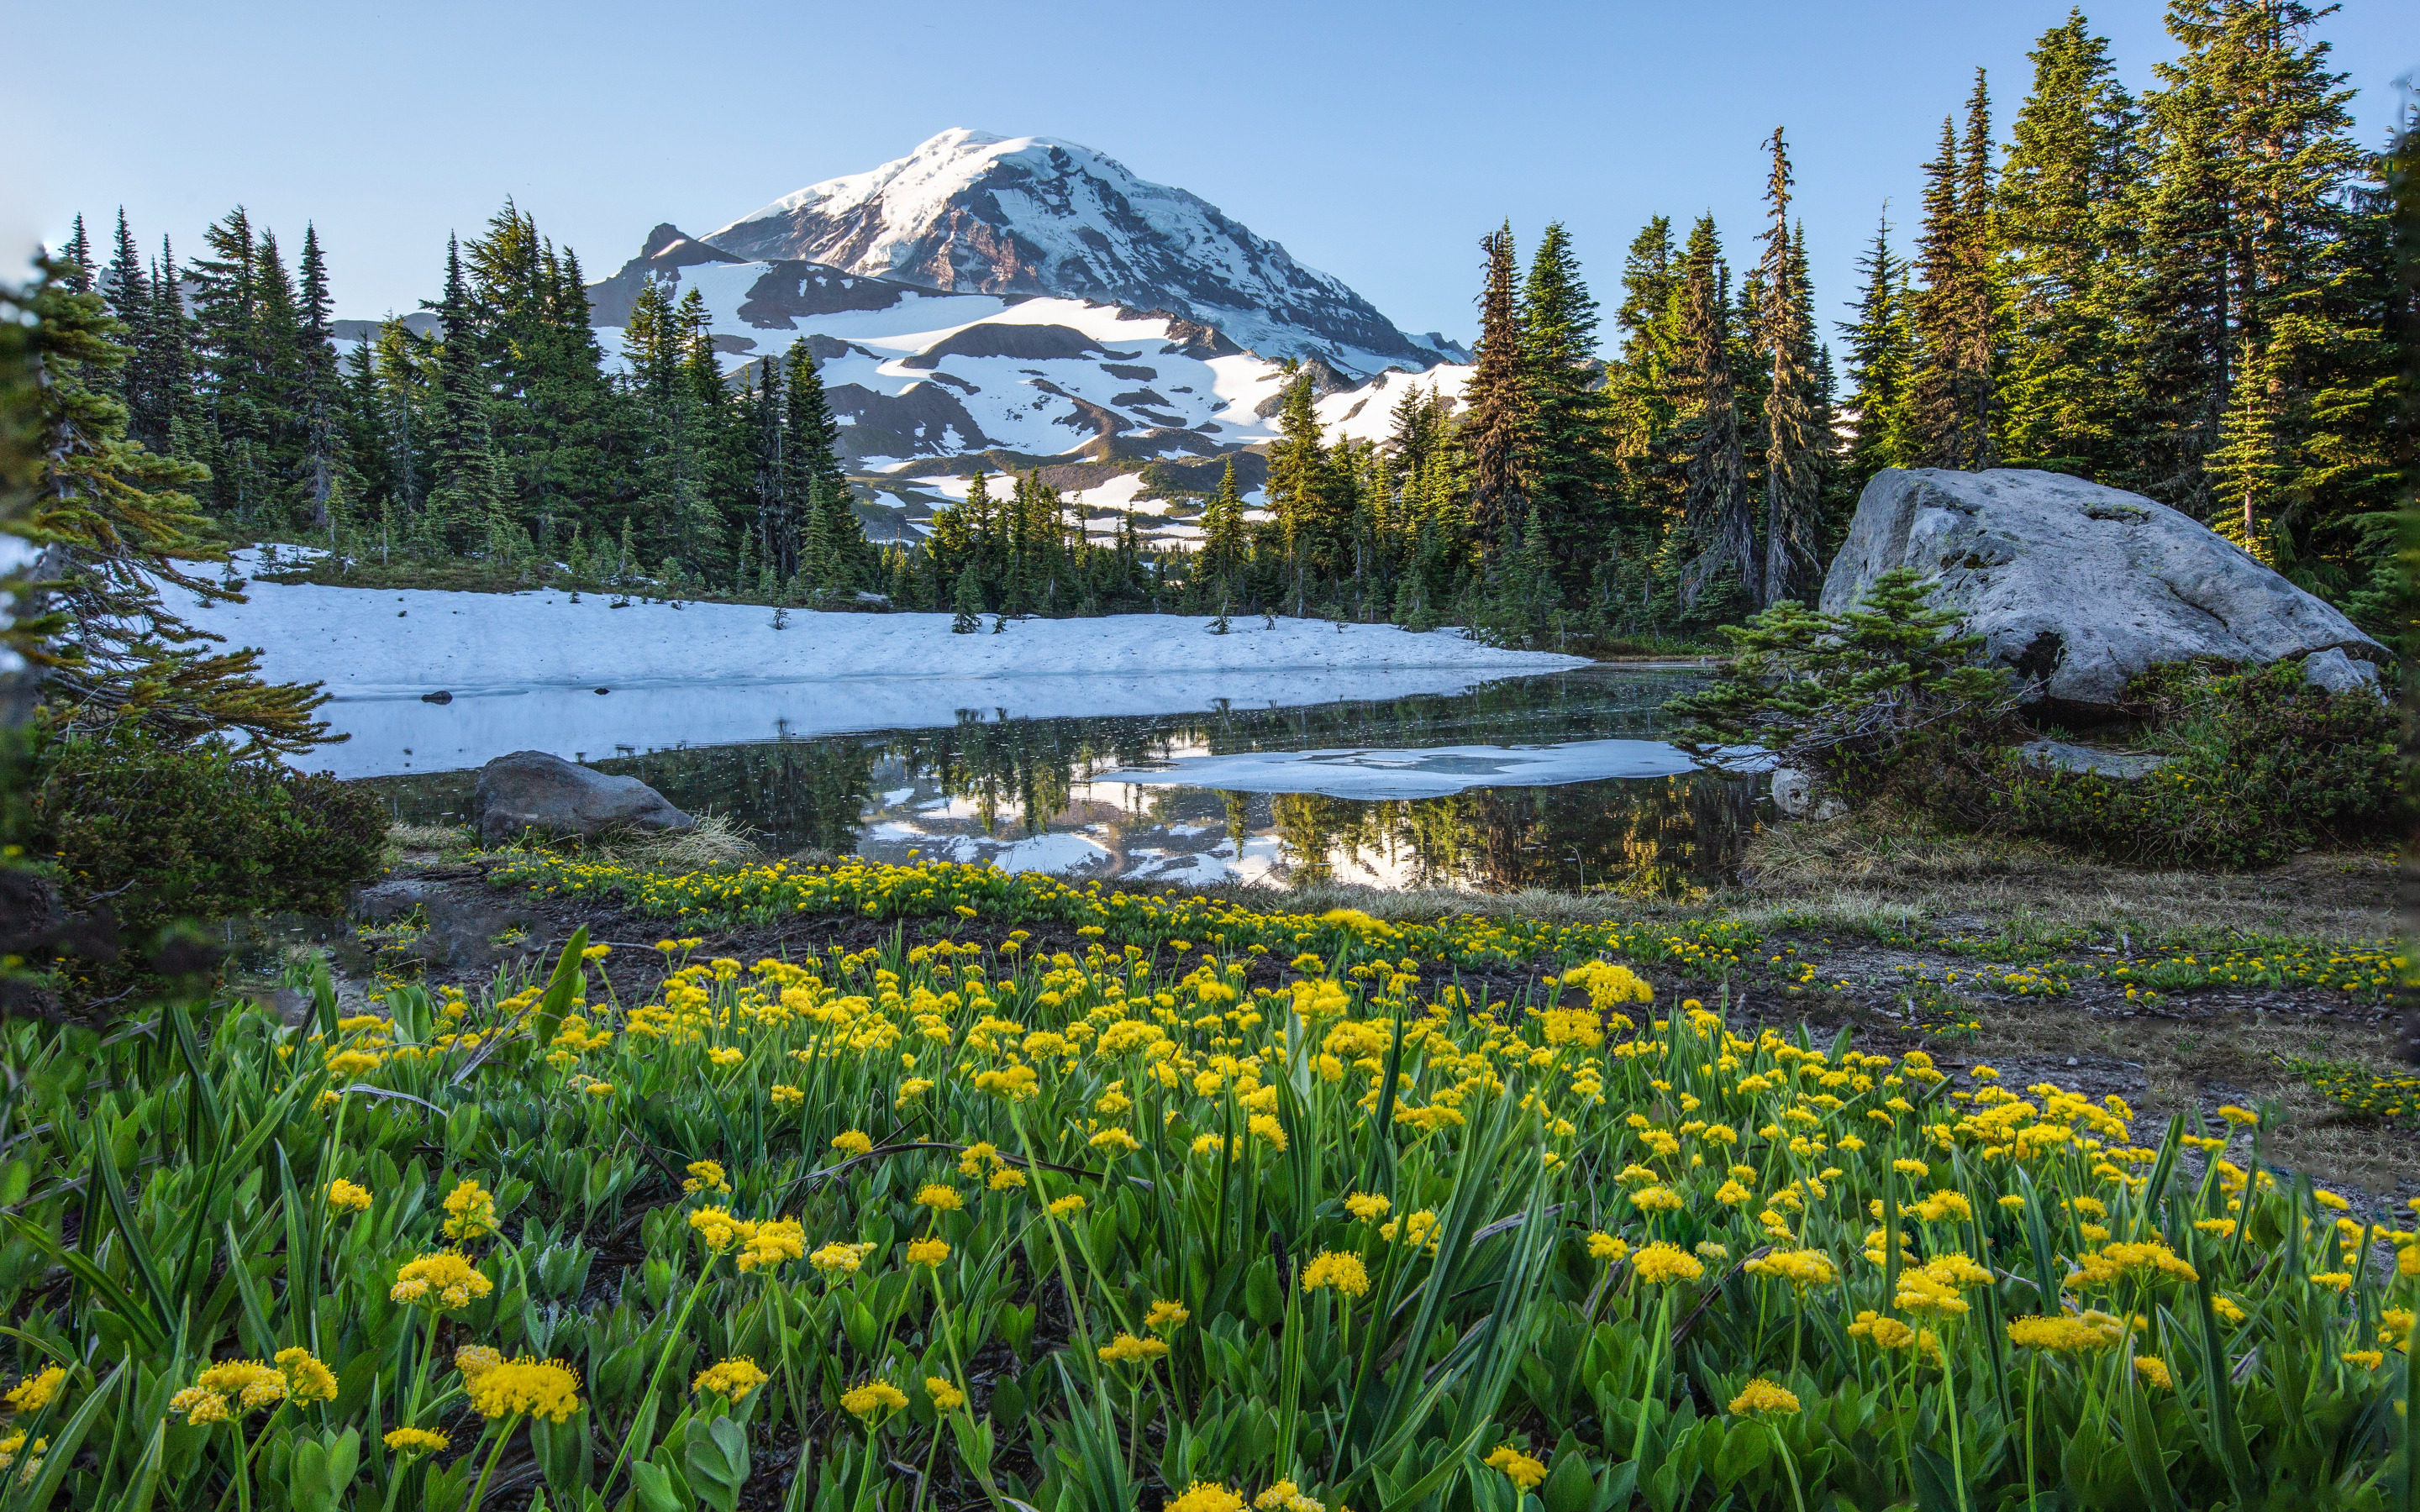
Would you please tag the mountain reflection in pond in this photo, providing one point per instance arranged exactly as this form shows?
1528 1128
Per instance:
1110 797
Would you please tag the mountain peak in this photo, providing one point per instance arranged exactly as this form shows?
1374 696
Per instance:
971 211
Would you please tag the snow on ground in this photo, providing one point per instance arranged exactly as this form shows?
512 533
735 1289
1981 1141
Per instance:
1429 772
523 669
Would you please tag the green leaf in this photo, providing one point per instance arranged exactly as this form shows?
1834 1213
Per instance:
1263 1298
653 1485
1569 1486
717 1464
560 989
138 1254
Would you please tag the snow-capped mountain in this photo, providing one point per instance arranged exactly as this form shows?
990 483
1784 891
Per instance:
931 386
922 377
967 213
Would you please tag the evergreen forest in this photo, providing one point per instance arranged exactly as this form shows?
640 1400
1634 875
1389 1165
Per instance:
2185 292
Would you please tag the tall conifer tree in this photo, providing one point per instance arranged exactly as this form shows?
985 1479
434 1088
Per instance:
1882 358
1793 454
1495 428
1718 517
2064 225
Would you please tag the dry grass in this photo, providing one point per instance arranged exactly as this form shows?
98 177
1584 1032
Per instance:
440 838
714 840
2163 1066
1898 866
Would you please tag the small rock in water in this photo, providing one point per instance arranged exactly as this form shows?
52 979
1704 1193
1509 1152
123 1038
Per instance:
441 696
602 691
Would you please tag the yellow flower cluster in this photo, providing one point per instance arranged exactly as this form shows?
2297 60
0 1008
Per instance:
525 1387
444 1281
731 1380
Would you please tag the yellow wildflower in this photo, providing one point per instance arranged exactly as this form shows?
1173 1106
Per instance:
1762 1396
1338 1270
1518 1468
538 1388
730 1380
443 1281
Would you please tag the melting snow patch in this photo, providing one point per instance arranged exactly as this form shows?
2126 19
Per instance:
1427 773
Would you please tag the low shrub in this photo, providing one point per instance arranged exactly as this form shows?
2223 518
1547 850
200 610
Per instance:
1884 699
2261 764
158 833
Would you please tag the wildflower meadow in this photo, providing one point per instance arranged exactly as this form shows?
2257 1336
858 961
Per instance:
1112 1223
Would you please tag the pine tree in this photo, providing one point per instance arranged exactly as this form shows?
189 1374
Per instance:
231 431
1302 492
2064 226
809 449
1954 401
1794 453
171 424
1496 430
320 397
2259 268
75 260
1881 357
114 524
129 293
1222 534
1719 517
1569 420
967 602
459 447
1642 386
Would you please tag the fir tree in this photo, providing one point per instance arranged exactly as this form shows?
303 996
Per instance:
1719 517
1881 357
1222 534
123 283
320 397
1568 418
75 260
1495 429
1794 453
967 602
2258 268
1954 403
461 443
1302 491
114 524
2064 228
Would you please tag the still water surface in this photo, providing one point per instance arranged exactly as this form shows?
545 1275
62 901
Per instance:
1554 780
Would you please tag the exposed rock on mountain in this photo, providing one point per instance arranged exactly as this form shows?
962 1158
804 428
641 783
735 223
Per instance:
971 212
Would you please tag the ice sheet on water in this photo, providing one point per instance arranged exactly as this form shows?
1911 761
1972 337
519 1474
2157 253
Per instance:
1428 772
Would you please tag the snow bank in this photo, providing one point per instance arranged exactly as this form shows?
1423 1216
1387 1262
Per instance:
523 669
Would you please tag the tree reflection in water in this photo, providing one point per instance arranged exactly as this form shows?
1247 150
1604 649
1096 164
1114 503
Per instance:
989 780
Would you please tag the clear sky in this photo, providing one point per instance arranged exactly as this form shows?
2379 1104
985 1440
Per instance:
1377 141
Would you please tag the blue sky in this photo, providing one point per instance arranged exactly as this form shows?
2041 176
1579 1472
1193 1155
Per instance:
1375 141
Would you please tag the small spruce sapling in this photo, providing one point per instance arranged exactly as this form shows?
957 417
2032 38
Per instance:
1888 689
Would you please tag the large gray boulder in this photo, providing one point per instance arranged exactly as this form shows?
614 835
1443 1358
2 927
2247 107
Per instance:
529 790
2077 587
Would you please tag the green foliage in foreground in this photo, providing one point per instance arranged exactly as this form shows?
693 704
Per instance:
1087 1233
156 833
2261 765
